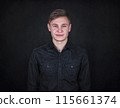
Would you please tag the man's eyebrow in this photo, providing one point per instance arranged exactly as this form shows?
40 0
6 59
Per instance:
54 24
64 24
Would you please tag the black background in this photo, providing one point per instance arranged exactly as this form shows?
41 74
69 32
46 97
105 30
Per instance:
95 27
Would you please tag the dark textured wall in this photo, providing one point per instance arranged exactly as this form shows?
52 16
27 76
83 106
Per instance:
95 27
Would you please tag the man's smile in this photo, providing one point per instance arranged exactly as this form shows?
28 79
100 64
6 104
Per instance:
59 35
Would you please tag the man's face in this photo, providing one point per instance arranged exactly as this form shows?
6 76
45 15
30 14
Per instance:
59 28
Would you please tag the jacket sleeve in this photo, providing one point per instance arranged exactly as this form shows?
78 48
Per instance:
33 73
84 74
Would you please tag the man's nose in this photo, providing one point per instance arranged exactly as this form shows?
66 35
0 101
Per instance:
60 29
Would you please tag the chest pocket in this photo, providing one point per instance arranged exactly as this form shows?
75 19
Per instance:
71 71
48 69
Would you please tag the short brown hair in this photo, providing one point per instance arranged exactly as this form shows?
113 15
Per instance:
58 13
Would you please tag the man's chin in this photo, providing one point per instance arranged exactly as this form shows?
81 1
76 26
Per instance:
60 40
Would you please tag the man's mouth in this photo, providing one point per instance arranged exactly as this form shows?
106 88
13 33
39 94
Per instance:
59 34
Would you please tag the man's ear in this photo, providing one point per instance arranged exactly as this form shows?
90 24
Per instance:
48 26
70 27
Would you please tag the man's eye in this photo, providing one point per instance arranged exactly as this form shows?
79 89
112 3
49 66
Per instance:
54 25
64 26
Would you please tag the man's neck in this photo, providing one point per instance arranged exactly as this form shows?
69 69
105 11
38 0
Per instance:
60 44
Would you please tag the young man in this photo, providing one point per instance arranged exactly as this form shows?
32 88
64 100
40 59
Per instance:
59 65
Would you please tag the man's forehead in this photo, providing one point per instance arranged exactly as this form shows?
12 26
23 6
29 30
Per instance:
60 20
58 24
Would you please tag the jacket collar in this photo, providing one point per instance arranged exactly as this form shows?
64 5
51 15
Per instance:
68 45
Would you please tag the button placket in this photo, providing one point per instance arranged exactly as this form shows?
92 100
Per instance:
71 66
59 71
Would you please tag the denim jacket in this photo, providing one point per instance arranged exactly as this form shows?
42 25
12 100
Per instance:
51 70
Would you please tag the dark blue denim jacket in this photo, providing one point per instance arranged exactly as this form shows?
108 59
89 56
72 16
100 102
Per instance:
50 70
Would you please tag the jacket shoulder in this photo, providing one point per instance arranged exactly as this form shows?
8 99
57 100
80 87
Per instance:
42 47
78 48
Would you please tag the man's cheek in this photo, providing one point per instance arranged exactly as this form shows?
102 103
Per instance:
53 31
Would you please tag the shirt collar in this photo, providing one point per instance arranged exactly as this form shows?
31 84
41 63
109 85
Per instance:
68 45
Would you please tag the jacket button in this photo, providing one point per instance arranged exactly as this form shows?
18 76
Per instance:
48 66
